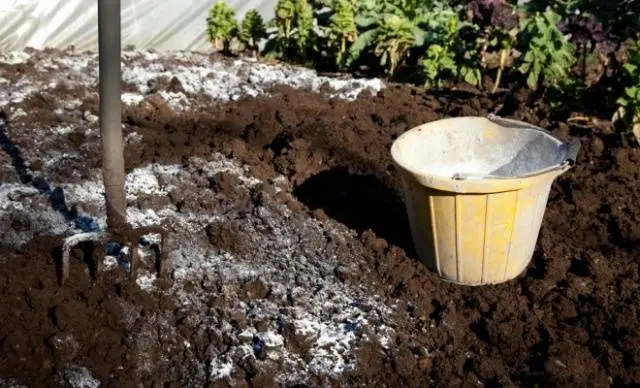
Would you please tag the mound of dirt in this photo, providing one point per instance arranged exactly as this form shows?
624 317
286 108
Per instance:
292 260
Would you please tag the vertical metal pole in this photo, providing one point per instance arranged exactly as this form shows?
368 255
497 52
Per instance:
110 112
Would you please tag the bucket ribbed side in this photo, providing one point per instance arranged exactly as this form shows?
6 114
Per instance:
471 211
476 238
501 210
527 223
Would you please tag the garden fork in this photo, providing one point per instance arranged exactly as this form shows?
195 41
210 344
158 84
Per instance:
119 232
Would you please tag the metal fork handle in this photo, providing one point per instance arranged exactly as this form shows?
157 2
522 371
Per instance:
109 45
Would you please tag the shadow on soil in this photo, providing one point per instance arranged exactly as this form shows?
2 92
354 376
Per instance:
360 202
56 195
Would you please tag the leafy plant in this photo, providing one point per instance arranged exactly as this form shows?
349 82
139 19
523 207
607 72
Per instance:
583 29
586 32
342 29
629 102
499 22
505 40
295 36
620 17
285 14
304 27
222 26
252 30
566 97
547 54
492 13
563 8
468 58
437 61
394 37
447 57
391 29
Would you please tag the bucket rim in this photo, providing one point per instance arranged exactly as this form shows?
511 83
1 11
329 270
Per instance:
491 184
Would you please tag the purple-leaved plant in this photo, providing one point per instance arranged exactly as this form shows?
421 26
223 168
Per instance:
583 29
498 22
586 32
497 13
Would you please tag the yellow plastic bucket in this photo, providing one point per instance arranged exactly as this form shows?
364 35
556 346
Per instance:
476 190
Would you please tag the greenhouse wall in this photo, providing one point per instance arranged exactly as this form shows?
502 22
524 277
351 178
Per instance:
146 24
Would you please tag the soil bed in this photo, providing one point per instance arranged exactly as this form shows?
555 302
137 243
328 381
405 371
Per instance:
291 257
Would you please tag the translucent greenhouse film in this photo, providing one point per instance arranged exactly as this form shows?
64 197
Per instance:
157 24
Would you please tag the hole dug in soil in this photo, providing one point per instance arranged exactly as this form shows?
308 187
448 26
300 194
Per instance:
360 202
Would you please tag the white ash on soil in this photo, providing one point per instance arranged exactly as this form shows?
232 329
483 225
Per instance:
296 290
10 383
250 299
275 307
220 79
80 377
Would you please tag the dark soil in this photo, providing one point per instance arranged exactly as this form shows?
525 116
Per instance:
570 320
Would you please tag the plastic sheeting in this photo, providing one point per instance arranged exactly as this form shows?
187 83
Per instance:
158 24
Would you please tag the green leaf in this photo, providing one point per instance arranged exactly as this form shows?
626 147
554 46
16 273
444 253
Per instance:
551 17
419 36
471 76
383 59
536 68
529 56
364 21
365 40
532 80
630 68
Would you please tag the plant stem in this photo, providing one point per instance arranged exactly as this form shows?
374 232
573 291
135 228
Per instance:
218 45
254 47
584 61
503 58
483 52
226 46
110 113
343 48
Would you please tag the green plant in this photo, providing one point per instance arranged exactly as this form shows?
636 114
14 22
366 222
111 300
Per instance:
285 13
252 30
437 61
391 29
342 29
222 26
394 36
295 35
587 33
620 17
629 103
304 36
447 56
497 23
547 55
505 41
566 97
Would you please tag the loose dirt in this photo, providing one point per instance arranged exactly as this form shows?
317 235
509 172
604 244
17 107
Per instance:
292 259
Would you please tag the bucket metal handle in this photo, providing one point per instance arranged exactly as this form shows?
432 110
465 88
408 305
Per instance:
572 152
572 147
